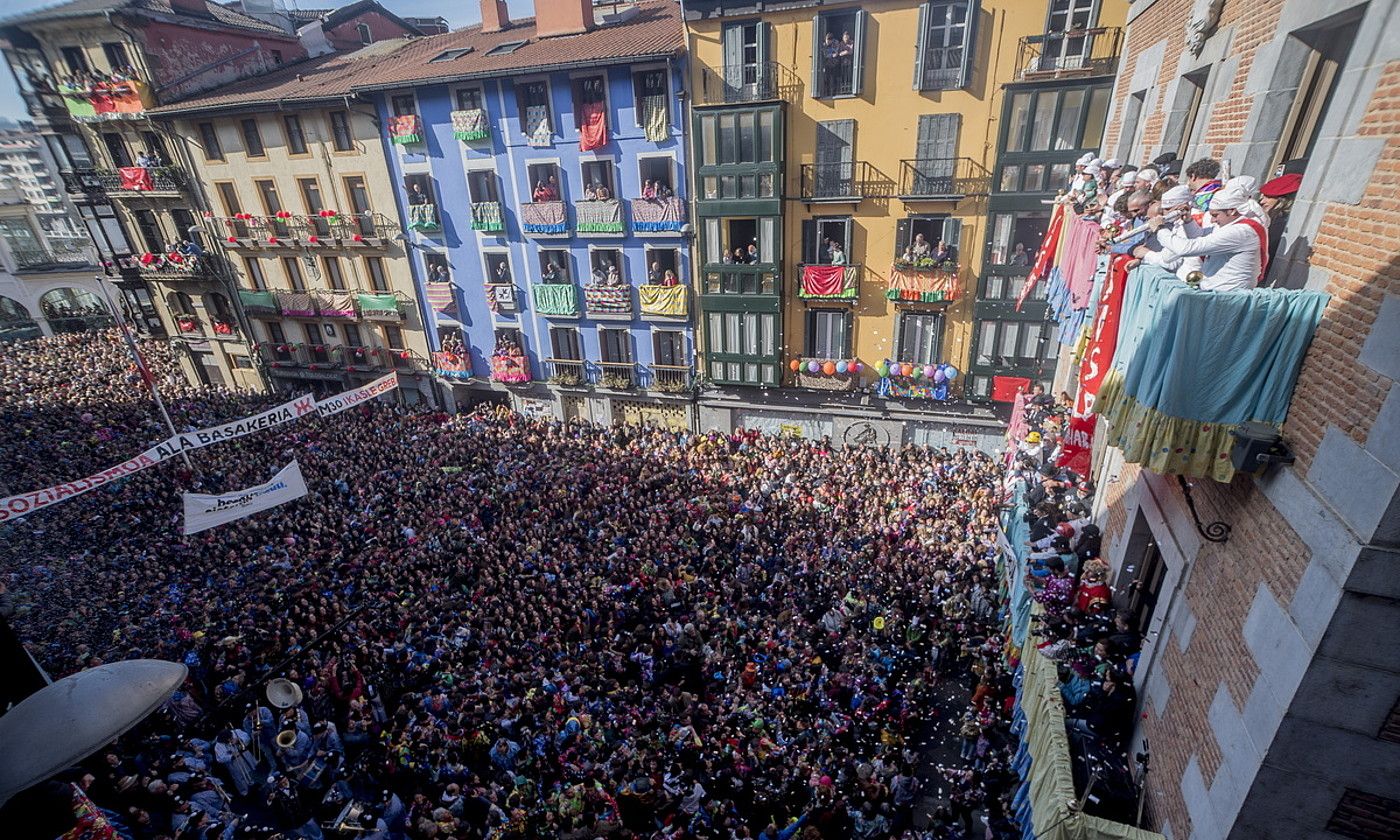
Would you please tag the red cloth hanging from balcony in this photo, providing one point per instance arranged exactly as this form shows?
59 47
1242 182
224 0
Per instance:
823 280
1005 388
593 130
136 179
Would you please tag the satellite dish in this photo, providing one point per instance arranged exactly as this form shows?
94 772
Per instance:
67 721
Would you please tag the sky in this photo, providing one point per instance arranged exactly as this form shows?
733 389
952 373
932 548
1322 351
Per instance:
459 13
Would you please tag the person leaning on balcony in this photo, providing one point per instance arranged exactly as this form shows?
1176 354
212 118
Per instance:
752 255
416 196
1203 177
670 278
836 254
541 193
1234 251
1134 215
1174 227
918 249
1276 197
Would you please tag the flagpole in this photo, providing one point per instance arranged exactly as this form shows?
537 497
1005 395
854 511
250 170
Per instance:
141 366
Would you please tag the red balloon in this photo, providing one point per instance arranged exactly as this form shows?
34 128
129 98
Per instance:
794 364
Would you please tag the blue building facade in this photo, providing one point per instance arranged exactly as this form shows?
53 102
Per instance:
546 219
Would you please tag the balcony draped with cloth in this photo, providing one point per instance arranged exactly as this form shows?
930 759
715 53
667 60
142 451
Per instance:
599 216
545 217
296 304
452 365
385 307
1191 366
668 301
607 300
258 303
486 215
554 298
656 117
593 126
335 304
658 215
108 101
829 282
513 369
136 179
406 129
422 216
470 124
919 285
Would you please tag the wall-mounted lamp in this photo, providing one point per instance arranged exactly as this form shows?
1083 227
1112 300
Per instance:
1217 531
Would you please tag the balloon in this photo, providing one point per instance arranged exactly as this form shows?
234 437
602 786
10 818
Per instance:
829 368
939 376
813 367
950 372
859 366
879 622
883 369
794 364
929 370
907 369
841 367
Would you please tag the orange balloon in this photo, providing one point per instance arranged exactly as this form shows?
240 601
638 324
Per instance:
907 369
829 368
794 364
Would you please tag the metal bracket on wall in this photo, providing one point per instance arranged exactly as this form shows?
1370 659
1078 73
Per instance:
1216 532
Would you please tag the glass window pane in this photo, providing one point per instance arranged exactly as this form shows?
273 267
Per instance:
750 372
1067 127
767 239
715 337
765 136
1010 179
731 332
711 187
708 141
1045 106
769 334
770 284
748 186
1094 119
1030 342
712 241
728 139
733 369
748 137
1000 243
1035 177
751 335
986 342
712 286
995 287
1020 112
765 185
1010 332
717 370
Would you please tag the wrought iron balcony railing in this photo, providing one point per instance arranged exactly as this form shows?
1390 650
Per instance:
942 179
567 372
1073 54
128 181
762 81
844 181
620 376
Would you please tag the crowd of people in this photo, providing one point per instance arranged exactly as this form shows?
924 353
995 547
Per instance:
1217 232
505 627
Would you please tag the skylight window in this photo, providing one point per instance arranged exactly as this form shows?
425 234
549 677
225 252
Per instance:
449 55
506 48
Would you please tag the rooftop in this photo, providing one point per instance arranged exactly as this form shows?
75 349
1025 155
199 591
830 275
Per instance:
654 31
83 8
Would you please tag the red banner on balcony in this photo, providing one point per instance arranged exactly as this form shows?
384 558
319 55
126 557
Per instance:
1105 340
1077 448
1005 388
1045 257
823 280
593 132
136 179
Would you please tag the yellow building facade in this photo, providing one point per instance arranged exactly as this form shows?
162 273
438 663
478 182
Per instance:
301 204
888 118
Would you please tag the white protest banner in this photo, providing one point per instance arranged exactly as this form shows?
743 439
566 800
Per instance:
204 511
284 413
355 396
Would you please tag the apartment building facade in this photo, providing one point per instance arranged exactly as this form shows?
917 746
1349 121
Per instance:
47 286
27 166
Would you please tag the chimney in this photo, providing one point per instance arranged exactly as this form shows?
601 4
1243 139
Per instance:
494 16
562 17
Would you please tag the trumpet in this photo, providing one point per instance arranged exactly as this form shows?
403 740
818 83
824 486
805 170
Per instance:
1129 234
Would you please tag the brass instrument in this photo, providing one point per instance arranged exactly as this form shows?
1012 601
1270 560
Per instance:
287 738
1194 278
283 693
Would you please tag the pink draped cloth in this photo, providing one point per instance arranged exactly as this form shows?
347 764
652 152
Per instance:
1079 260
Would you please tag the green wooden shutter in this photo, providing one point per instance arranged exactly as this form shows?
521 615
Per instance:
936 150
733 60
809 241
901 237
919 46
818 82
969 55
858 67
952 234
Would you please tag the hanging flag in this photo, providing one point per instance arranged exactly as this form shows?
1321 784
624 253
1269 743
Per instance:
1045 257
1105 339
204 511
1077 448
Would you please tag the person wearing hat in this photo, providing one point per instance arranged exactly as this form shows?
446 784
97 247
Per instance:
1077 182
1276 197
1234 252
1173 226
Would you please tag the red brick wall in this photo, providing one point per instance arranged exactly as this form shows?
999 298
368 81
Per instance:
187 60
346 36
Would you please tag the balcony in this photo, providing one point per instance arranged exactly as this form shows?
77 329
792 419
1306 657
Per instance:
1080 53
619 376
186 324
658 215
424 218
323 356
608 302
105 101
127 182
33 255
568 373
363 359
501 297
470 125
671 379
45 105
173 266
486 217
830 283
454 366
764 81
1168 335
555 299
844 182
244 231
281 355
382 306
924 282
510 370
598 218
259 303
543 218
826 374
406 130
942 179
664 301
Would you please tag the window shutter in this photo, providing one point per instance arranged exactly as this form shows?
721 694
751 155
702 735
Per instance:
858 67
952 234
818 83
845 346
920 46
520 105
810 253
901 237
733 58
969 43
765 46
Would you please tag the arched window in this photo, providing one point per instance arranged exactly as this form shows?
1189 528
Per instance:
74 310
15 321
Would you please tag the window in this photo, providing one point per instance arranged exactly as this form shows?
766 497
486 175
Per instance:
1058 120
451 55
393 337
946 46
481 186
358 194
116 55
296 138
668 348
1145 566
616 345
1132 119
1015 343
917 237
420 189
291 269
554 266
828 334
741 240
498 268
276 58
738 137
659 171
149 228
921 337
275 333
742 347
544 182
1008 287
589 95
469 99
311 200
1327 50
820 235
534 105
1016 237
506 48
116 149
366 37
834 171
341 138
252 140
404 105
660 261
352 335
374 268
439 271
76 60
313 333
748 73
838 53
598 184
335 278
646 84
272 205
252 271
210 139
604 264
564 344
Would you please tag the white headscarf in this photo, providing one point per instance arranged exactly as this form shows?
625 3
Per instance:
1084 159
1148 176
1176 196
1251 208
